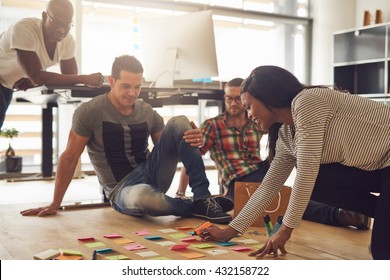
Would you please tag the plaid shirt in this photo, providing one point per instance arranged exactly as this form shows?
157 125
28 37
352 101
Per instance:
236 153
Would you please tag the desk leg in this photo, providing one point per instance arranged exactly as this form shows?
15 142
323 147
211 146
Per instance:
47 140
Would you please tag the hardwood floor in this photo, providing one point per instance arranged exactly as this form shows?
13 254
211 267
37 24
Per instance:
23 237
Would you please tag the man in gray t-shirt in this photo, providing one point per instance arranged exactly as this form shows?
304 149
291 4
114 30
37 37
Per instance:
116 127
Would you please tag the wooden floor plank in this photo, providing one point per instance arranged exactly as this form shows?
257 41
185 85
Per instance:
22 237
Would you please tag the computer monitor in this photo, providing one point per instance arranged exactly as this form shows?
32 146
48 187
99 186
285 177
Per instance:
178 48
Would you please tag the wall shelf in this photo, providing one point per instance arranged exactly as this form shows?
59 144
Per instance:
361 60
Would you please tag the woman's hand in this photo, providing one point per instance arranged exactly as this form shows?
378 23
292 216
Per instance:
274 243
214 233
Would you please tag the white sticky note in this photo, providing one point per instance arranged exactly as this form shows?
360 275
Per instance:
147 254
167 230
217 252
166 243
47 255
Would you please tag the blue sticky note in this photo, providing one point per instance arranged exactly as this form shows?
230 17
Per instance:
103 250
226 243
153 237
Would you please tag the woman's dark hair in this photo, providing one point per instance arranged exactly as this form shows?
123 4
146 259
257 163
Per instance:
275 87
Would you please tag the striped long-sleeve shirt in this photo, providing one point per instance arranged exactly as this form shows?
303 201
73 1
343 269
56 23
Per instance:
330 127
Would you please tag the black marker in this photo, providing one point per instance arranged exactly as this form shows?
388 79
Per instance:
94 255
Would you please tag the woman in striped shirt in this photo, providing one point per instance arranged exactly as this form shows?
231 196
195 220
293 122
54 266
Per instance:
339 143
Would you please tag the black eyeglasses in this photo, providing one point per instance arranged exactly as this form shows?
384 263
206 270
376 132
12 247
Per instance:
57 23
229 99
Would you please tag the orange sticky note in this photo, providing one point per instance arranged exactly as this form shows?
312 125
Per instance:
122 240
69 257
198 230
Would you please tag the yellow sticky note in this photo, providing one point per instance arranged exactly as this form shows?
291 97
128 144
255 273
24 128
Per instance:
95 244
159 258
258 246
192 255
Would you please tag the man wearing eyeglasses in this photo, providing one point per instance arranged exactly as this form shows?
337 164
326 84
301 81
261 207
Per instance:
233 141
32 45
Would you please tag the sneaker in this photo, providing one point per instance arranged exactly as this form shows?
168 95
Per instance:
225 203
208 209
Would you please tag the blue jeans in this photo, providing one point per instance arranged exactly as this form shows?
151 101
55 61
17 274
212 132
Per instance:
142 192
5 100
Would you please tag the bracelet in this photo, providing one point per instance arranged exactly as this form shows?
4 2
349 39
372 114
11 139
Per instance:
180 193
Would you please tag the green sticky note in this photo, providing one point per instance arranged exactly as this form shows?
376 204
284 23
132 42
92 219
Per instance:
70 252
117 257
203 246
178 235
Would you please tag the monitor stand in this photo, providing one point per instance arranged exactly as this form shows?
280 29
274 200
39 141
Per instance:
168 68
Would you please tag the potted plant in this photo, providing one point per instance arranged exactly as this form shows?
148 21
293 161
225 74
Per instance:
12 163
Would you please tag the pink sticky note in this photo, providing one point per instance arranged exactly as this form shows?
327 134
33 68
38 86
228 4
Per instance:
142 232
241 248
112 235
86 239
134 247
189 239
179 246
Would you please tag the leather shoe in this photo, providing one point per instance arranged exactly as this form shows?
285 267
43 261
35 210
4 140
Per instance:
350 218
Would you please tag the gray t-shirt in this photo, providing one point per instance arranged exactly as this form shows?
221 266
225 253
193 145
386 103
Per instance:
117 143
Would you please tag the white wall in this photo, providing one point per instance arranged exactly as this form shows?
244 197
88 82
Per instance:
372 6
330 16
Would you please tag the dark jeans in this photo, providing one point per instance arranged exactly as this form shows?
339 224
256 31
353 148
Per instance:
5 100
351 188
143 190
